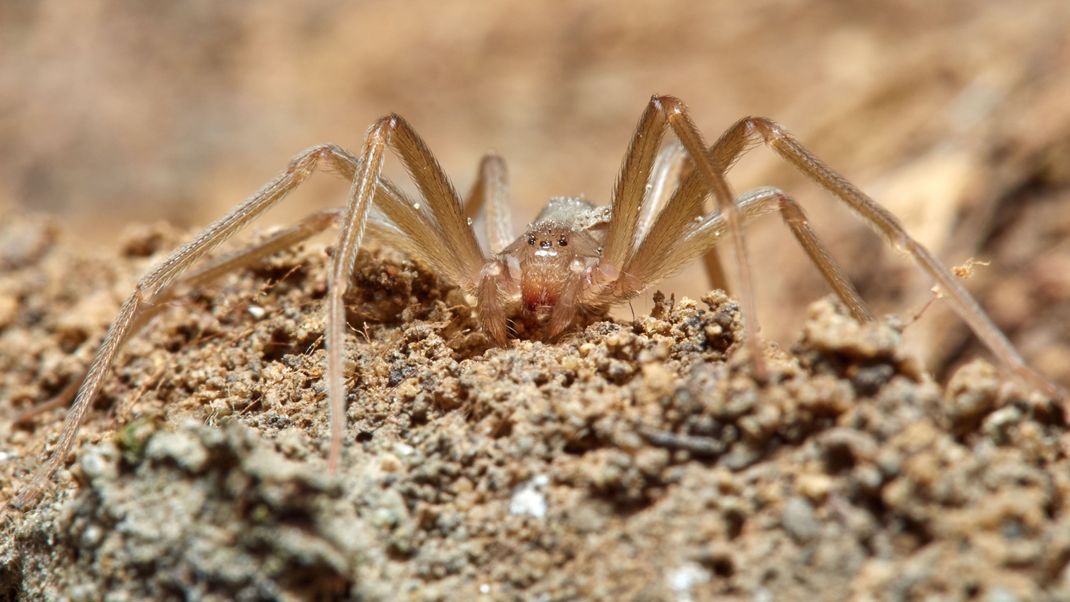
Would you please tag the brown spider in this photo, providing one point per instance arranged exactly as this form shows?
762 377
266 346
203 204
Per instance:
575 259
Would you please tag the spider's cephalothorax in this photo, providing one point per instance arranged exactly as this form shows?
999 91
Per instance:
542 276
574 260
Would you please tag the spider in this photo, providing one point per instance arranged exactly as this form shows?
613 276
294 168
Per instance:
574 260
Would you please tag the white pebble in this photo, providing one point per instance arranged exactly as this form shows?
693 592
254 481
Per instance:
686 576
527 499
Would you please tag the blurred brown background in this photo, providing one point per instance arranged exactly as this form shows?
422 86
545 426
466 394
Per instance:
954 114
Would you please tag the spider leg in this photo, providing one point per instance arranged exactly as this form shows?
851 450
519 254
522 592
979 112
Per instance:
669 167
663 113
795 218
712 172
664 252
751 130
284 238
155 286
460 256
568 301
433 184
714 268
628 194
490 193
491 310
214 268
408 228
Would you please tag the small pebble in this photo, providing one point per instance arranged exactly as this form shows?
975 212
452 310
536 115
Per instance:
799 521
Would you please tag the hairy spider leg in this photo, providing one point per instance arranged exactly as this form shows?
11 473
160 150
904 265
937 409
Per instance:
154 286
752 131
490 195
424 234
609 278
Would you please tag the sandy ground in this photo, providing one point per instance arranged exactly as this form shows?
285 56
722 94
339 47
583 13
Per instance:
633 460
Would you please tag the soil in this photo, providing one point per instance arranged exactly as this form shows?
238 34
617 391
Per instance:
635 459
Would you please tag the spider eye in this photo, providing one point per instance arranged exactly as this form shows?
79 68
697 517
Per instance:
531 240
563 242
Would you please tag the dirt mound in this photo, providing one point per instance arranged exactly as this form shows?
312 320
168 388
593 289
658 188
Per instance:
633 460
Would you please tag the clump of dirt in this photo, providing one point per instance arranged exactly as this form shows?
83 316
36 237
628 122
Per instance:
631 460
